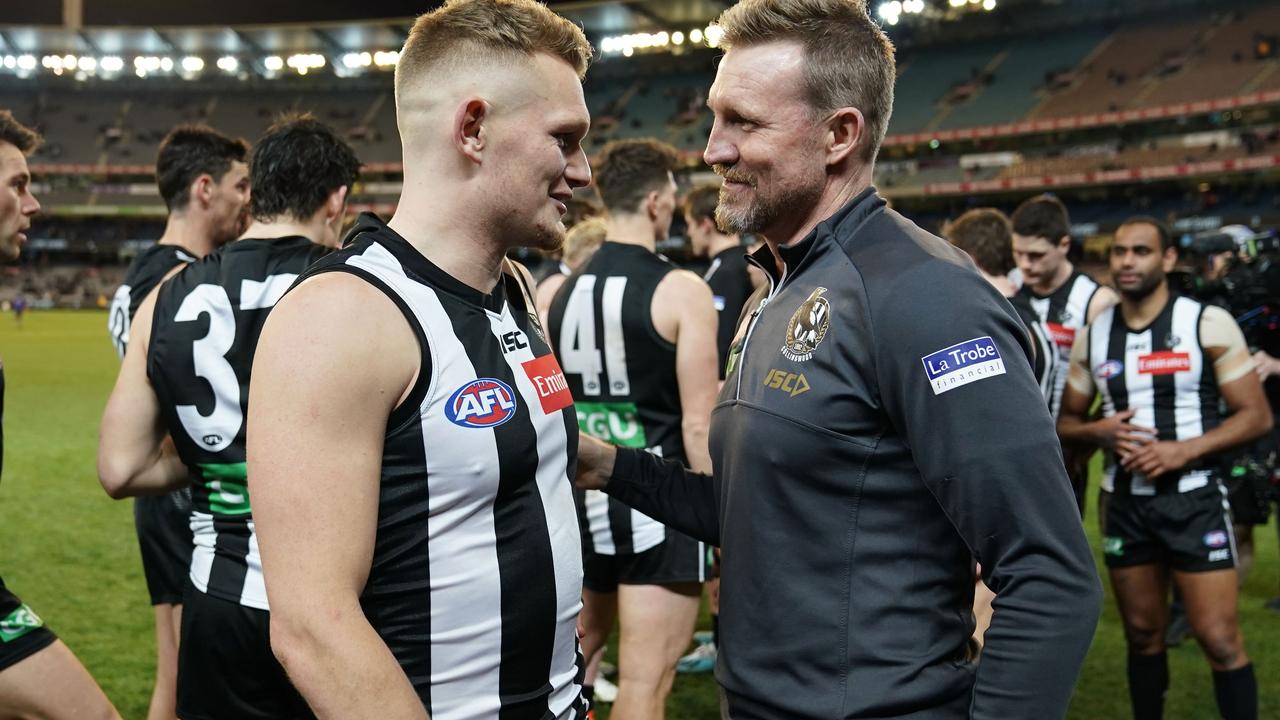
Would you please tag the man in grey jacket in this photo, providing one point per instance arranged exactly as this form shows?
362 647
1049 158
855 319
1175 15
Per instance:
879 429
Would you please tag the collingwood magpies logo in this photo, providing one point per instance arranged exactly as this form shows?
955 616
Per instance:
808 327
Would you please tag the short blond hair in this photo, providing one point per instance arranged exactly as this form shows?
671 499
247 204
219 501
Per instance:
462 30
582 240
848 58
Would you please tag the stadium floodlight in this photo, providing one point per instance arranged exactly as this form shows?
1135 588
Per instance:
273 63
111 64
386 59
713 34
627 51
956 3
305 62
663 39
351 60
87 64
166 64
192 64
69 62
988 5
677 38
229 64
26 62
10 62
695 35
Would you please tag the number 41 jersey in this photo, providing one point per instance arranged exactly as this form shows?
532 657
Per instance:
205 328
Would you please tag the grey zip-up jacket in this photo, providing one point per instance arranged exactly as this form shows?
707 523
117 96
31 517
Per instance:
881 429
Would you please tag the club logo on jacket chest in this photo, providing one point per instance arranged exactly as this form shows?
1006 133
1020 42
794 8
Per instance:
808 327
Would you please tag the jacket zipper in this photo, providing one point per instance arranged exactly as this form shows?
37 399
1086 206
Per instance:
751 324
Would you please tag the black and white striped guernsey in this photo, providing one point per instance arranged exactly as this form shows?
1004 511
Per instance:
476 579
203 333
1163 373
1064 312
145 272
622 374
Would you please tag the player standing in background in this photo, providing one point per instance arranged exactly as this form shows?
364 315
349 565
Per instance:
203 179
412 439
186 374
731 278
636 338
1063 298
39 675
1164 364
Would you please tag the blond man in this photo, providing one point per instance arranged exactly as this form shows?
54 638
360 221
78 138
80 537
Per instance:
411 436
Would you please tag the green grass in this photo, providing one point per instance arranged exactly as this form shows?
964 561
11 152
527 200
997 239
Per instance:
69 551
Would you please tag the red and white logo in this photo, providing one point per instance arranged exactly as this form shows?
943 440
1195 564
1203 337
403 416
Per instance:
548 380
1062 335
1164 363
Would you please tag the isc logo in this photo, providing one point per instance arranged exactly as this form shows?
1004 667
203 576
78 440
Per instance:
482 403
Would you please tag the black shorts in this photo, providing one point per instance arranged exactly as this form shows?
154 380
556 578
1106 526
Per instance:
678 559
1190 531
164 537
226 670
22 632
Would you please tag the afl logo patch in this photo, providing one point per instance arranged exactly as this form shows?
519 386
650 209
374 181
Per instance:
808 327
1109 369
1216 538
482 403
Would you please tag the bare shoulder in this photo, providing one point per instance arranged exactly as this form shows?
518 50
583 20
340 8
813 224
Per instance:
683 285
335 319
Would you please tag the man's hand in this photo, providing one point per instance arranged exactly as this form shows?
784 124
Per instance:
1157 458
1118 433
1265 365
595 462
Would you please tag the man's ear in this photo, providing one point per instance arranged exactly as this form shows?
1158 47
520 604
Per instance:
335 206
846 132
469 134
202 189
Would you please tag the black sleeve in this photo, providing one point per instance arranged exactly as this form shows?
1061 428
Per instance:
984 443
668 492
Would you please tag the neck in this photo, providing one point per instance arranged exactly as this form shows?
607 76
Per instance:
1000 283
276 228
1057 280
837 193
1139 312
188 233
448 236
632 229
720 243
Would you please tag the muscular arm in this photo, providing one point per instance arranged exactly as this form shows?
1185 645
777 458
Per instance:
987 452
135 455
683 306
316 430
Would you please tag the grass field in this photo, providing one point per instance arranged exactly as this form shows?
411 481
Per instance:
69 551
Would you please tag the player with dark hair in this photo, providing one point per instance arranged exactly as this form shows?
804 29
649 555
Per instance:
1063 298
203 177
636 338
1164 364
39 675
186 375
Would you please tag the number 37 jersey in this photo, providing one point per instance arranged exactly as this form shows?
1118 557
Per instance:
205 328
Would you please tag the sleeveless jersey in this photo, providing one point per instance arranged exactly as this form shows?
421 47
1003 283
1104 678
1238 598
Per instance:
1163 373
1064 312
1047 358
730 286
622 374
476 580
145 272
206 325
